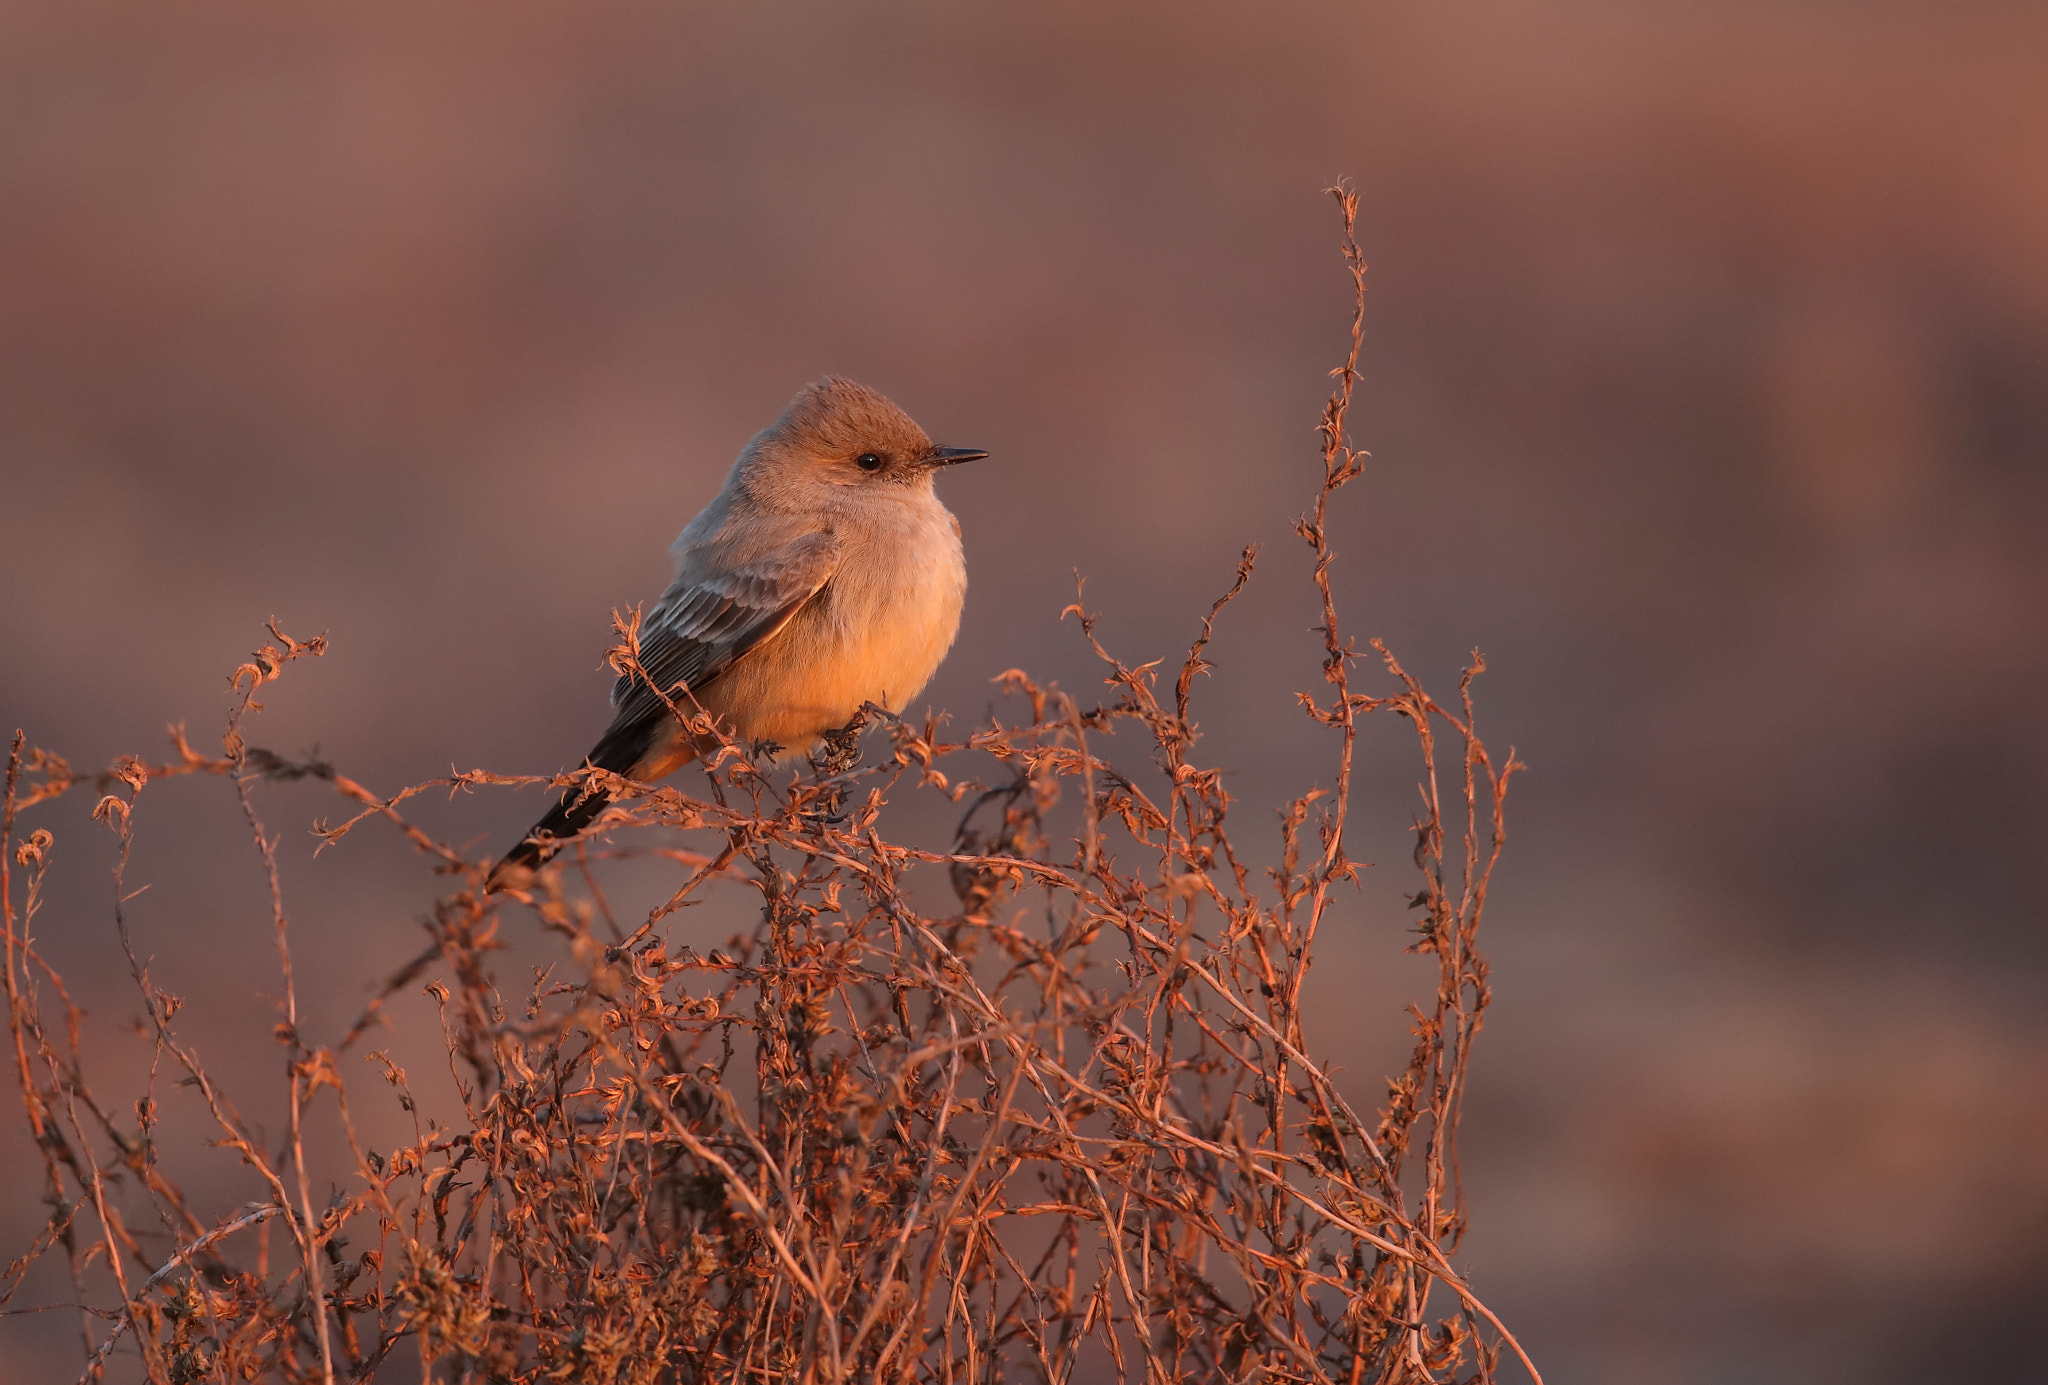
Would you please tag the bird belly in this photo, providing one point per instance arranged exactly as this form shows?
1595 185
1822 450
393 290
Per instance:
876 641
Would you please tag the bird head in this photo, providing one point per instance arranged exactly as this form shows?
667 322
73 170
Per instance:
839 434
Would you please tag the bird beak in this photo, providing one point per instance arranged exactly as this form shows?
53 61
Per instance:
947 456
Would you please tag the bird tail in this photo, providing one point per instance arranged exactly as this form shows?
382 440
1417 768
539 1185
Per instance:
576 811
634 748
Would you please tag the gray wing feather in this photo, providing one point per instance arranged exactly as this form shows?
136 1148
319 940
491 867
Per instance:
705 622
701 626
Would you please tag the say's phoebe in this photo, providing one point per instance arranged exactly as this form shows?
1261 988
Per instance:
825 575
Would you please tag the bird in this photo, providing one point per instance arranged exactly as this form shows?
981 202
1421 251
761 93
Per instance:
826 574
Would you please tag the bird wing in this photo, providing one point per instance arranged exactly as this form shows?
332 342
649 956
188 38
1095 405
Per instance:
701 626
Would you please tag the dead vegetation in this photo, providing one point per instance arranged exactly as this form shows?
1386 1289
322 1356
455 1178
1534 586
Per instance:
1071 1130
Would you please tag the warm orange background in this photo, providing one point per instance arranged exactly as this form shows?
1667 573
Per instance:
1707 381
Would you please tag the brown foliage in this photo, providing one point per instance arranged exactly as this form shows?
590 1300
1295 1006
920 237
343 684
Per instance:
1073 1126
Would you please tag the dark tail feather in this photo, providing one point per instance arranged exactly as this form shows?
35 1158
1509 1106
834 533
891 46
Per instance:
620 750
565 820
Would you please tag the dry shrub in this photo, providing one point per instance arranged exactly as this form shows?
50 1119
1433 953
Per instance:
1072 1128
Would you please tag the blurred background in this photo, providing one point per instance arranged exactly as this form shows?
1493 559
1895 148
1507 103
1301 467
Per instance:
1706 380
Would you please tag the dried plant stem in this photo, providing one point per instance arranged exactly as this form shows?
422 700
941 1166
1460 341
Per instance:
182 1258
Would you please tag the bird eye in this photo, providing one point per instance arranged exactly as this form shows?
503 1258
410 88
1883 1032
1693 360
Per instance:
869 461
